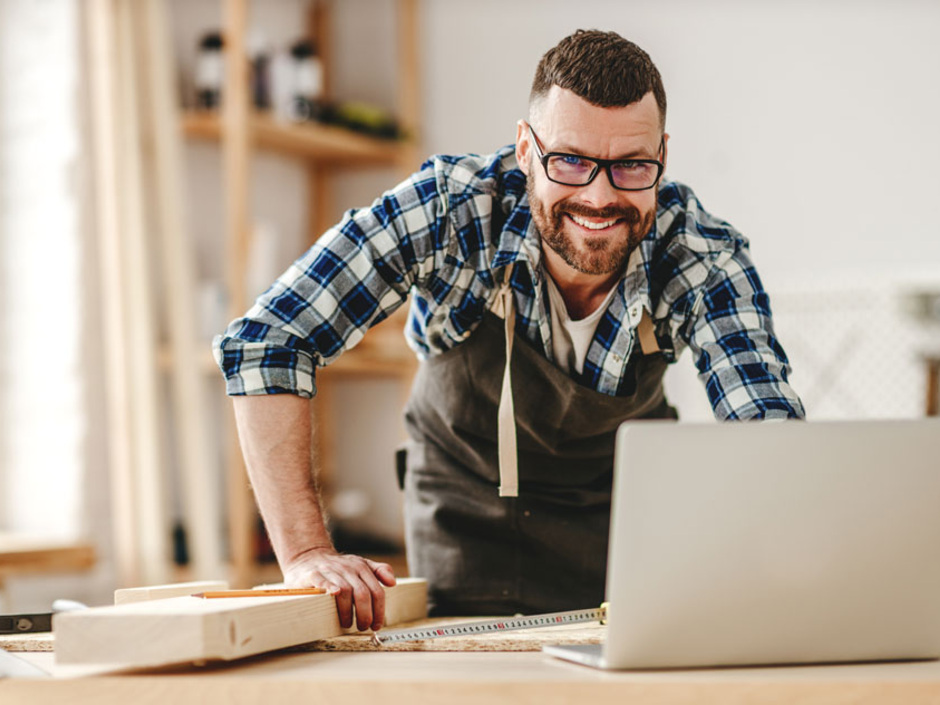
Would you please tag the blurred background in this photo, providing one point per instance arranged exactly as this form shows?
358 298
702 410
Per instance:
161 162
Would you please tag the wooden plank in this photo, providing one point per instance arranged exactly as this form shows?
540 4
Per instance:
191 629
102 69
932 407
320 30
199 498
146 422
236 154
409 85
129 596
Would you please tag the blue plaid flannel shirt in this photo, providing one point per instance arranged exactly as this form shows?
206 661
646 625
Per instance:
445 237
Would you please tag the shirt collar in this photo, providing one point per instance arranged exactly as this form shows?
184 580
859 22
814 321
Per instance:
519 240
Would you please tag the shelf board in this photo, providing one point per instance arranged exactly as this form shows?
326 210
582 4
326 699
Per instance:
363 361
320 143
25 555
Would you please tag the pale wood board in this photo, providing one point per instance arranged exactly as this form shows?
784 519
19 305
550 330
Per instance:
471 679
149 506
191 629
45 641
236 164
127 596
102 62
195 461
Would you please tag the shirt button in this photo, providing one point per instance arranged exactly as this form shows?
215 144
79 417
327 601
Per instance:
635 312
527 513
616 358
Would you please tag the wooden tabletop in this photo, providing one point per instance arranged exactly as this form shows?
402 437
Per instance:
457 678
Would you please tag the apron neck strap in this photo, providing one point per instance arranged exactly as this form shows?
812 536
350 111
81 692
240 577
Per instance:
506 415
647 335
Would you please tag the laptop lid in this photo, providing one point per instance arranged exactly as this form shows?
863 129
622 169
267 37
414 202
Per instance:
782 542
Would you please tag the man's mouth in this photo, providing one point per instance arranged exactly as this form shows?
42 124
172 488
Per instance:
592 224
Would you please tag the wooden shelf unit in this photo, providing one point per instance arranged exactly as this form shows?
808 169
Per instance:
24 555
322 144
324 149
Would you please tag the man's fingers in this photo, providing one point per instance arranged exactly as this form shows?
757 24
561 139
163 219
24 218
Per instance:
343 594
383 571
377 599
363 598
353 581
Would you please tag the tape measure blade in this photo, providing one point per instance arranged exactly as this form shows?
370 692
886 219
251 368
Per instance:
488 626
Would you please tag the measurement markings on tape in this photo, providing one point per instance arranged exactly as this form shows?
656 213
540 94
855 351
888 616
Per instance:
553 619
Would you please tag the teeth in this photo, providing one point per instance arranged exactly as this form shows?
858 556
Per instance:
590 225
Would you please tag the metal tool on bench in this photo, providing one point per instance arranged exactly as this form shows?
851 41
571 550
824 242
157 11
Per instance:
552 619
39 622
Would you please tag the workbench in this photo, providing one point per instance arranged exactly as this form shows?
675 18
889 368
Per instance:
458 678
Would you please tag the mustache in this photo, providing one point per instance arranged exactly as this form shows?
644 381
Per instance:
630 214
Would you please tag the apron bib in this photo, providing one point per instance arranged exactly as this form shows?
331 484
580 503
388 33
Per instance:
545 550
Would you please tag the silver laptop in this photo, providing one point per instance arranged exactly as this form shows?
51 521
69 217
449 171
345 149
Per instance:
772 543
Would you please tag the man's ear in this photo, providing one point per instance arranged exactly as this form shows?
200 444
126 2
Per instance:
523 146
665 149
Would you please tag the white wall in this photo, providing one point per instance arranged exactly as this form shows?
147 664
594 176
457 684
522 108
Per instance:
810 126
53 474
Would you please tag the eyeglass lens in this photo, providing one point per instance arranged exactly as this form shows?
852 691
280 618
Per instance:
576 171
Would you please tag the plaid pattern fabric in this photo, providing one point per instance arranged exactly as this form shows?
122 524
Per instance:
446 236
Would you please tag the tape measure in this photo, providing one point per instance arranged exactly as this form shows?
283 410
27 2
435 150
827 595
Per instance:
552 619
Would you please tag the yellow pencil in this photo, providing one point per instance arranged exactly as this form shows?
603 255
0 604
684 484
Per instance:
274 592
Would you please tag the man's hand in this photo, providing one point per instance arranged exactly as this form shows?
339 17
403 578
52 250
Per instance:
352 580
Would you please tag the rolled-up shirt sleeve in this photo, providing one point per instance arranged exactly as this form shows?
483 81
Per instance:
739 359
353 277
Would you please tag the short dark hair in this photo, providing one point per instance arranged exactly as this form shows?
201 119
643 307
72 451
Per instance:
603 68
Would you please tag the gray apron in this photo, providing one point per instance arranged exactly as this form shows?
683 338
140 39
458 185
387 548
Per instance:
545 550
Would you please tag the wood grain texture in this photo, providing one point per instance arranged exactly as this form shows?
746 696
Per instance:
149 509
190 629
104 122
160 592
236 164
471 679
196 480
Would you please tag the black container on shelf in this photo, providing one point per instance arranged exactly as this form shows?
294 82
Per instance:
210 71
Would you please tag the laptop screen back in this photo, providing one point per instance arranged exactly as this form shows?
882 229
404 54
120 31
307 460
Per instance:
787 542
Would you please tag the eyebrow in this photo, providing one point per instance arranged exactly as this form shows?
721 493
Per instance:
635 154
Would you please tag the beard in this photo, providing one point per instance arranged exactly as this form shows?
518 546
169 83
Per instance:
599 254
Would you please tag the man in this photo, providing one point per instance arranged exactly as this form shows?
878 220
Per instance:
570 252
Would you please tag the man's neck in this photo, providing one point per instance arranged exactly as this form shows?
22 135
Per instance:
582 293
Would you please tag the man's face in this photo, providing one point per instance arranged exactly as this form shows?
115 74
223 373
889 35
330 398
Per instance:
592 228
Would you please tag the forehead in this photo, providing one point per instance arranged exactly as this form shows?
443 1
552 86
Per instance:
566 122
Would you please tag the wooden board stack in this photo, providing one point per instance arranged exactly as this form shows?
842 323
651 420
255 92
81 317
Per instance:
169 630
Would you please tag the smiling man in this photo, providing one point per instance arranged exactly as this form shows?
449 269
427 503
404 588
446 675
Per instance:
570 252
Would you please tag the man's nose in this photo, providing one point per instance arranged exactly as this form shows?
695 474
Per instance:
600 192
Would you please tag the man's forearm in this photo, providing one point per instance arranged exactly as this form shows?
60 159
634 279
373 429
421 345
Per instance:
275 435
276 441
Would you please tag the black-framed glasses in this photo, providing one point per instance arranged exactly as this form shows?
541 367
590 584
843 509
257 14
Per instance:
578 170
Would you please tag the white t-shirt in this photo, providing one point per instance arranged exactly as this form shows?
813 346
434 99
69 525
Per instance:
571 339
